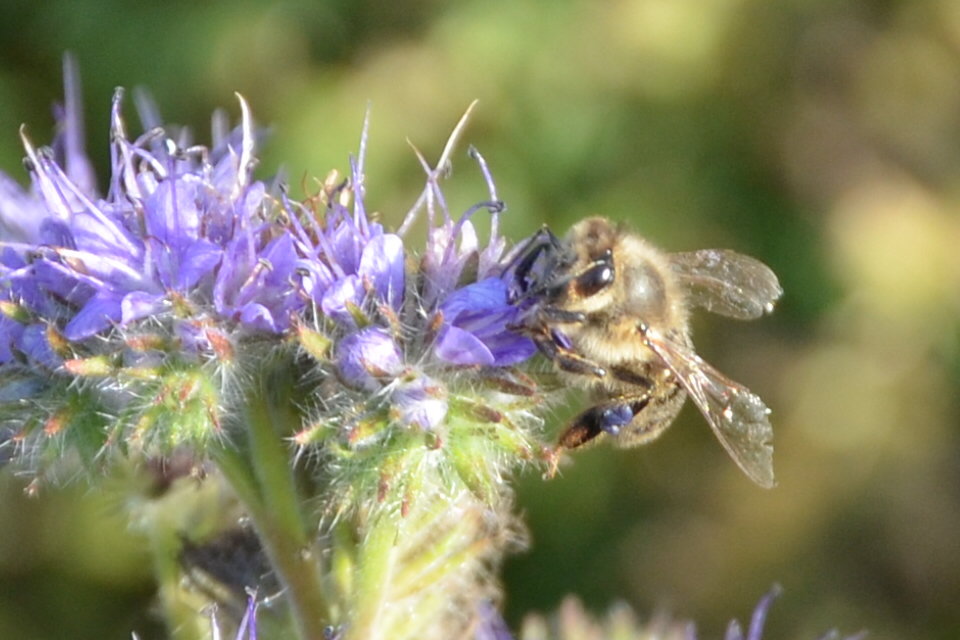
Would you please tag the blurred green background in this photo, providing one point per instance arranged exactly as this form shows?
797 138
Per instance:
822 136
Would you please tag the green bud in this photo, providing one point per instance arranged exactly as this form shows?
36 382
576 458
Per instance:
95 367
314 342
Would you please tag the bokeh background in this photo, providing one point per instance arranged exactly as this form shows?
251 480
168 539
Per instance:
822 136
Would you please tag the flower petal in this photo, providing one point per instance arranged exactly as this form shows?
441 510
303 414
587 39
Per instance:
34 344
382 262
139 304
368 358
335 299
258 316
420 402
456 346
486 294
197 261
101 311
10 333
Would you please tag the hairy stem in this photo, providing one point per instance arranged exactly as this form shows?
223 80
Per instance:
375 564
264 483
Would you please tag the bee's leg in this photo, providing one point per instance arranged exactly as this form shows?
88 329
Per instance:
508 380
521 264
659 414
566 359
555 346
609 417
561 316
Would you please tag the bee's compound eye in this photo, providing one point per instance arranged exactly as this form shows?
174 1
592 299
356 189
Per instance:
597 277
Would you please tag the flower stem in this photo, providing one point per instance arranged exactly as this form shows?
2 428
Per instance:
374 576
263 481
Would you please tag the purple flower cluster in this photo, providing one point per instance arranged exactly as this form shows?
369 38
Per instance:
358 272
187 245
394 325
182 233
573 622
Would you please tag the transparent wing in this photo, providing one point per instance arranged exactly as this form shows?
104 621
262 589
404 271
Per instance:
726 282
737 416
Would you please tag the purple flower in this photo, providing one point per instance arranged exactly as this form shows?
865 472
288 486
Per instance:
759 618
183 233
394 311
475 329
186 260
475 316
491 625
366 358
420 402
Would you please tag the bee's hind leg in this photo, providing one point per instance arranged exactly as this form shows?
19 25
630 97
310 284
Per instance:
608 417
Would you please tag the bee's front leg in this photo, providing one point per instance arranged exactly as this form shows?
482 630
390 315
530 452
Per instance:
556 315
552 346
542 245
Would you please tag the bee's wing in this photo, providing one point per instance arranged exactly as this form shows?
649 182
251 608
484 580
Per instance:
726 282
737 416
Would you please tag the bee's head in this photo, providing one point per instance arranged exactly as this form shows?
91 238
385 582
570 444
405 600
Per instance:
592 238
590 270
617 270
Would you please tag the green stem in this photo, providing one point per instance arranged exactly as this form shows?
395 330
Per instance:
267 417
263 481
374 576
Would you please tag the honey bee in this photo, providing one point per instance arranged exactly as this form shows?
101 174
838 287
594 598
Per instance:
613 313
